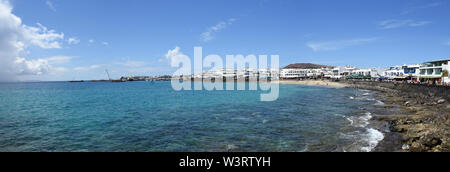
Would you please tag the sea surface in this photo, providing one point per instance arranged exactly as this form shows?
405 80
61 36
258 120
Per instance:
151 116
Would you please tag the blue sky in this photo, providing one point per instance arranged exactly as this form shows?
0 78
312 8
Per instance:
132 37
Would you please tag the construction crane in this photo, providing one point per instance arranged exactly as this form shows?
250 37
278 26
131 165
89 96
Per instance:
109 77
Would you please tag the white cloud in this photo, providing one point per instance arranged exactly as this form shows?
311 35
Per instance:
145 70
430 5
16 38
391 24
86 68
59 59
40 66
50 5
91 41
336 45
42 37
208 35
31 67
105 43
175 55
131 63
73 40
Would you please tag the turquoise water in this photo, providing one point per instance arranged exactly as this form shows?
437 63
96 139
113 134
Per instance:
151 116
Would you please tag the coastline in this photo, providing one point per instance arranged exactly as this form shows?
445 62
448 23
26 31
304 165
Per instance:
413 118
416 117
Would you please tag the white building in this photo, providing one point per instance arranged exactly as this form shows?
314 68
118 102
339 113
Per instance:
240 74
315 73
362 72
434 71
394 72
268 73
342 72
293 73
411 72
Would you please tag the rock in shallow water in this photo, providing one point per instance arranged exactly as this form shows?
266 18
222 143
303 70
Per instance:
441 101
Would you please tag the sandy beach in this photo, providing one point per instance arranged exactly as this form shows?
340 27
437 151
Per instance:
315 83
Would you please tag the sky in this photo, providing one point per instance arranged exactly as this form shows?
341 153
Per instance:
57 40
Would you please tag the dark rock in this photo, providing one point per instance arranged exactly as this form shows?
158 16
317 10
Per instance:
432 142
423 122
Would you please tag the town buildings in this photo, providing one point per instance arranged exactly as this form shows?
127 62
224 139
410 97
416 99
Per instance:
395 72
435 72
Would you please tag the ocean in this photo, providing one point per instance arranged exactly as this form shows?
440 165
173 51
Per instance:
152 117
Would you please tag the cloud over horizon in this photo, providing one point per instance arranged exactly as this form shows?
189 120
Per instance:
175 55
16 38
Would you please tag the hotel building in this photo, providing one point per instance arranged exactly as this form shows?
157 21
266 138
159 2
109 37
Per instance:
435 71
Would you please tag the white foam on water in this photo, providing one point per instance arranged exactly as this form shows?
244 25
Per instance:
350 120
379 103
372 137
362 121
305 149
338 115
352 98
367 116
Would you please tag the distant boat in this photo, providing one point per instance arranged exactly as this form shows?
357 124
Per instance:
77 81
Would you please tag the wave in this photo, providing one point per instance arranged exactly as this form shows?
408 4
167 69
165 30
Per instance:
362 121
379 103
372 137
366 139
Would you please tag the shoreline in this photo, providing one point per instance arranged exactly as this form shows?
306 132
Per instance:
417 117
315 83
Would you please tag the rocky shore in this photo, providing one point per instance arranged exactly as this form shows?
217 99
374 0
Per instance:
422 121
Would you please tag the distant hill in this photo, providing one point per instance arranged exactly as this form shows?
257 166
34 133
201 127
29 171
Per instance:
306 66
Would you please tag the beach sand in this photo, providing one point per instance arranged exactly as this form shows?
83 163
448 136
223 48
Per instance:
315 83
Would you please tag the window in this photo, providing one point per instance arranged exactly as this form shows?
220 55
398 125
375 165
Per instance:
438 72
422 71
430 72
